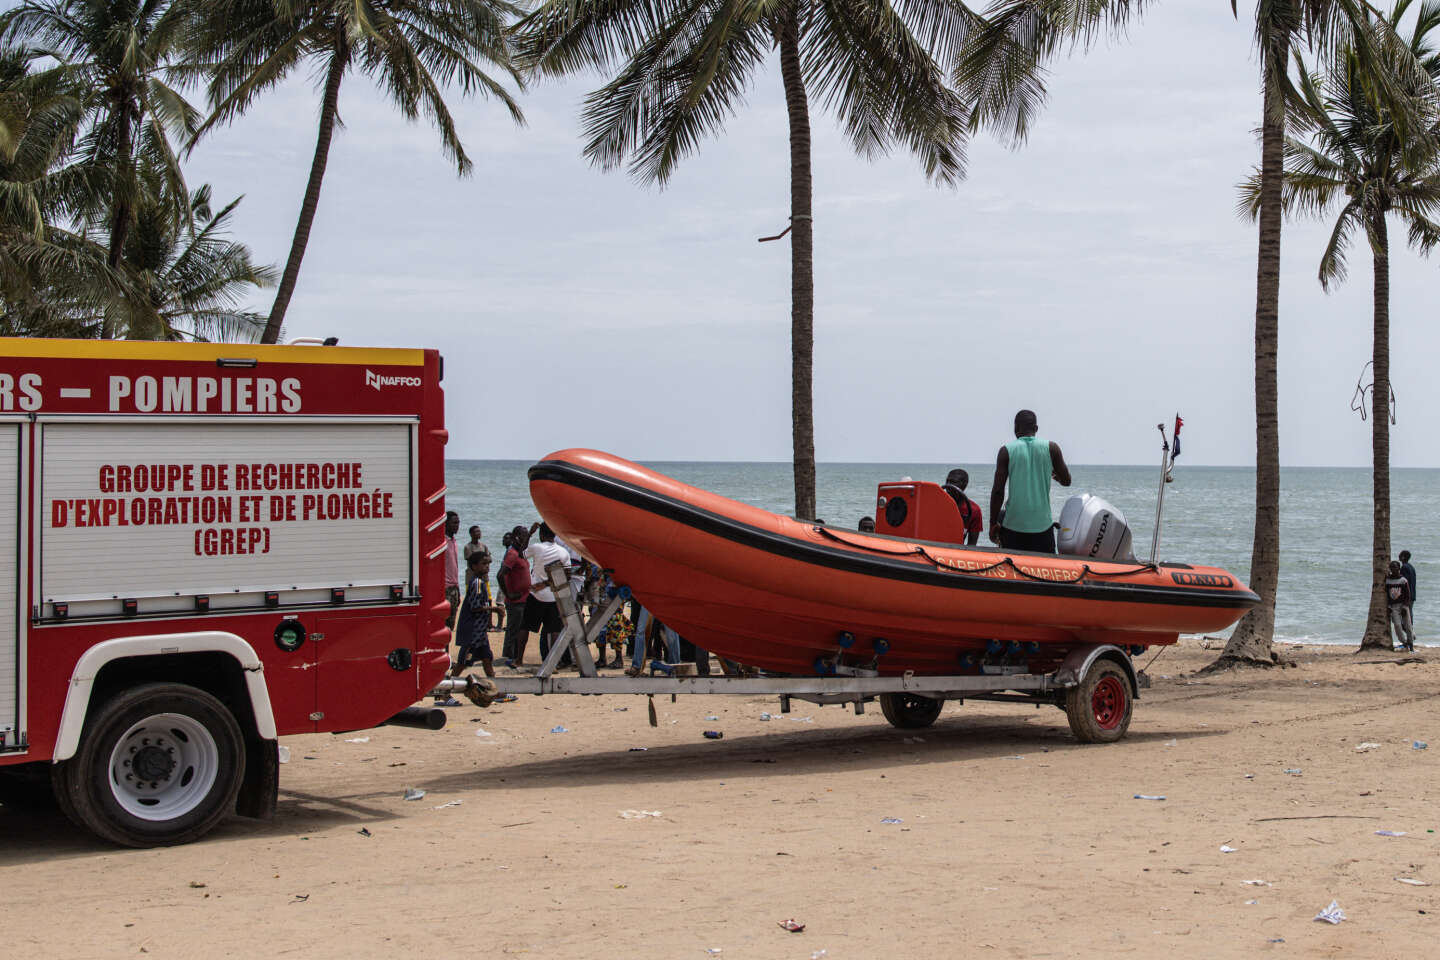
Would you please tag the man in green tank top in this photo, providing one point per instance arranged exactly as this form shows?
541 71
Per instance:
1026 465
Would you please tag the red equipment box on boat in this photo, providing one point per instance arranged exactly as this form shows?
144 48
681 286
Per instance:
919 510
204 547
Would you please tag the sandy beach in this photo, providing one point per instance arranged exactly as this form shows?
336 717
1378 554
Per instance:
1013 840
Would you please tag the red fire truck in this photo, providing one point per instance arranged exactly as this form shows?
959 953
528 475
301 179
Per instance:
204 547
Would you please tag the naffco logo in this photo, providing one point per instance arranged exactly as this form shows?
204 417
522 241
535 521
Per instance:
379 380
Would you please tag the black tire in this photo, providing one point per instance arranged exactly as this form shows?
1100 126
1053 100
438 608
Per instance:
1099 708
158 765
62 795
909 712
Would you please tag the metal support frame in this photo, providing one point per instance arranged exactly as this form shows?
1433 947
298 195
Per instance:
577 635
861 686
833 689
820 690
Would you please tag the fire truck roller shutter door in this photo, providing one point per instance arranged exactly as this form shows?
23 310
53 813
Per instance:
9 583
227 510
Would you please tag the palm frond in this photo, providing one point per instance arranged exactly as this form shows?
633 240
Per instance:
1332 262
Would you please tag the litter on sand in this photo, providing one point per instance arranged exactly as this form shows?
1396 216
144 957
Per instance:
790 925
358 740
619 709
1332 913
1224 848
450 803
766 716
1412 881
891 820
1013 756
414 793
284 753
817 955
482 733
1418 745
1293 771
1257 883
1251 903
1367 746
1172 743
1389 833
364 832
638 814
713 951
1148 796
712 718
558 730
638 749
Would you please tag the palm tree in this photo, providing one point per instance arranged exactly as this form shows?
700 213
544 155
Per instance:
412 48
117 55
1354 155
1003 72
681 68
188 283
49 273
173 278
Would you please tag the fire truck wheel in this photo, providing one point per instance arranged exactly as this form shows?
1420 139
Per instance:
1099 707
909 712
158 764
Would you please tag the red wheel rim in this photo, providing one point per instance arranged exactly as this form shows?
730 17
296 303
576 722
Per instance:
1108 702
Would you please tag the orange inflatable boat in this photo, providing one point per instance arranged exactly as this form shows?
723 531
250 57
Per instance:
796 597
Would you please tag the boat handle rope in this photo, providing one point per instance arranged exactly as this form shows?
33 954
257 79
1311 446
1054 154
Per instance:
1085 569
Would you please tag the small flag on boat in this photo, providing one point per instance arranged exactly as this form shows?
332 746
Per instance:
1178 424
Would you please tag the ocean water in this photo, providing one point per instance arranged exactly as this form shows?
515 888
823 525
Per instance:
1324 520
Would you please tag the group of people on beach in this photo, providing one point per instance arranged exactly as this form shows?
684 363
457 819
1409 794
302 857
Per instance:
527 604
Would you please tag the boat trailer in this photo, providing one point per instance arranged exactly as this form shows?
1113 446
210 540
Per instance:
1096 685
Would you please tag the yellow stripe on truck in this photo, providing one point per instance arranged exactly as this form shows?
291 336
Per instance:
153 350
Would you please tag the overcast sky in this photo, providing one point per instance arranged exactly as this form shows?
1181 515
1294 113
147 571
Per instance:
1098 275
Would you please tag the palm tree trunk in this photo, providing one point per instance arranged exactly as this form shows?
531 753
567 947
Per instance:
1377 623
329 108
802 268
1251 642
122 208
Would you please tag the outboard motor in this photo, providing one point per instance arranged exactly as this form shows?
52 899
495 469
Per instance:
1091 527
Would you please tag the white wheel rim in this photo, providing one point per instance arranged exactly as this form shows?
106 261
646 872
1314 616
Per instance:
163 767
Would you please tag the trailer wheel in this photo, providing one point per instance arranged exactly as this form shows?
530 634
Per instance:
909 712
159 764
1099 707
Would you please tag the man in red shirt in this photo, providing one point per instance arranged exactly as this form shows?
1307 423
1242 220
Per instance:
955 483
514 580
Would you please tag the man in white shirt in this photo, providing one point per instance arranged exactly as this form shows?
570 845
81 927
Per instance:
541 611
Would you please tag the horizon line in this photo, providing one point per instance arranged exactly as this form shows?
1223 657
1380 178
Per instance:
963 463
